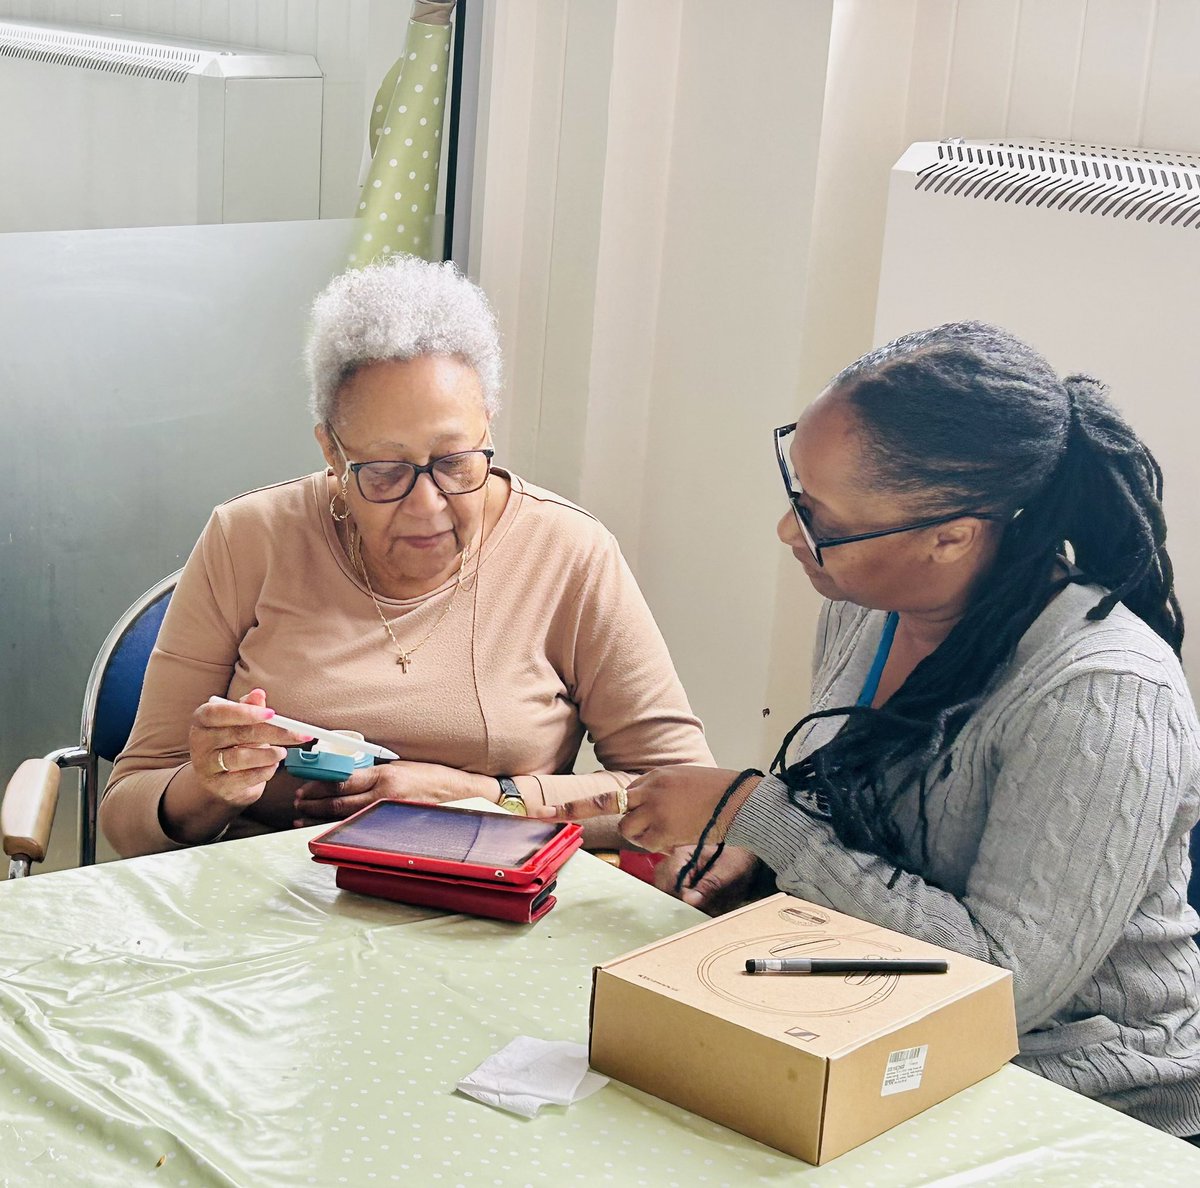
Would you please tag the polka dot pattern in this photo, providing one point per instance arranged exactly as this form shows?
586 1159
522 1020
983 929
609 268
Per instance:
225 1015
405 137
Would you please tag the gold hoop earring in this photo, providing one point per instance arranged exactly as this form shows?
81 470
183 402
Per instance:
345 503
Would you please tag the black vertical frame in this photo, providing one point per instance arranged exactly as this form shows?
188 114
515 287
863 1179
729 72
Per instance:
460 29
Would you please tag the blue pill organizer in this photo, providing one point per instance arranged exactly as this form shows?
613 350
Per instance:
324 765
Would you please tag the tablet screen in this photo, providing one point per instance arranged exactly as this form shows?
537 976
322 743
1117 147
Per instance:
450 835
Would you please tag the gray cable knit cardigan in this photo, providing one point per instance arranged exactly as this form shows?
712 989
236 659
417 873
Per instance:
1057 848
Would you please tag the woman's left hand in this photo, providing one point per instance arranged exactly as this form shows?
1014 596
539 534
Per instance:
667 807
727 885
319 801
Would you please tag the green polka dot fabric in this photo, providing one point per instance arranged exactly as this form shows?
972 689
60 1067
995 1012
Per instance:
225 1015
399 198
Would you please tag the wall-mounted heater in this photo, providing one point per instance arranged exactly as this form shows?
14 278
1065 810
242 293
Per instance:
104 130
1093 255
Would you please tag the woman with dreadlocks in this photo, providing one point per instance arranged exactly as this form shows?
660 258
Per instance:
1003 757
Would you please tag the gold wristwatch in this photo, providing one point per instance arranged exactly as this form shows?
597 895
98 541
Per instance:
510 797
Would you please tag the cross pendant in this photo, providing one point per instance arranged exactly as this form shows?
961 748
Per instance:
403 661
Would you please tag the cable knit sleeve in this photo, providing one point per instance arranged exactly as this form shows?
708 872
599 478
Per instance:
1082 794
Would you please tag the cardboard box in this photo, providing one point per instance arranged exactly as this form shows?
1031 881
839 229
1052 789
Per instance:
812 1065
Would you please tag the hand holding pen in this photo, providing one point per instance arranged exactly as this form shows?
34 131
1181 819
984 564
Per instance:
235 746
354 742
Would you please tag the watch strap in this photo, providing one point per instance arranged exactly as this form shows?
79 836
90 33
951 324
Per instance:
510 796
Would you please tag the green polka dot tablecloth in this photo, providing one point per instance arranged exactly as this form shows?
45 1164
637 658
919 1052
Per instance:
225 1016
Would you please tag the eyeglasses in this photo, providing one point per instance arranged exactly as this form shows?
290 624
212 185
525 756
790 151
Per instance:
389 482
817 544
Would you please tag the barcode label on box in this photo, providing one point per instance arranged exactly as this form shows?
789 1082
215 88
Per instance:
904 1070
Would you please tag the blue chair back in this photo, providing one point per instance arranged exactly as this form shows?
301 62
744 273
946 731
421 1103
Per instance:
121 682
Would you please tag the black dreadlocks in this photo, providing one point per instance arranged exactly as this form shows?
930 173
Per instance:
967 415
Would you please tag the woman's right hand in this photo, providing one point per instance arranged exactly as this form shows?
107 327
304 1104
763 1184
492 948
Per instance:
235 749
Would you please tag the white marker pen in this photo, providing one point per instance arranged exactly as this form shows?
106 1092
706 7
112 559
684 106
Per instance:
331 736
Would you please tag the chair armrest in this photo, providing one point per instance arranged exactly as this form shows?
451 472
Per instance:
27 811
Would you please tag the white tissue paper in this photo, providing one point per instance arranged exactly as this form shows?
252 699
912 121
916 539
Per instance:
529 1073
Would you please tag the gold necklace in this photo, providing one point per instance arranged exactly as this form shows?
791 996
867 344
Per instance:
404 656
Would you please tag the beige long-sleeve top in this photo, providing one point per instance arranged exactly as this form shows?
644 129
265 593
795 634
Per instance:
548 638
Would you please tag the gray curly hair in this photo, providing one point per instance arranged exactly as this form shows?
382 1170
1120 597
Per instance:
399 308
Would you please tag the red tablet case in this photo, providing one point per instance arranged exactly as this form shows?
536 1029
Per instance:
456 895
524 901
550 857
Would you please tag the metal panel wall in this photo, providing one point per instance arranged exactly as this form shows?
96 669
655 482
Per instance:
145 375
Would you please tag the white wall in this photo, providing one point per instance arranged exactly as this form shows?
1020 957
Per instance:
1114 297
353 41
643 201
1110 72
683 237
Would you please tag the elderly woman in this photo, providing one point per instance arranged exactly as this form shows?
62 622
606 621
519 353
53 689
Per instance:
473 623
1003 758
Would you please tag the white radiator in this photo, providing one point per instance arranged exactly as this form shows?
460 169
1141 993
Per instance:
138 130
1093 255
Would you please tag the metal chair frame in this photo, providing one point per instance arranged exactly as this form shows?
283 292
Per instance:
83 757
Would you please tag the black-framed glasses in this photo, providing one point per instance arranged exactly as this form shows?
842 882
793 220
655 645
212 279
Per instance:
817 544
389 482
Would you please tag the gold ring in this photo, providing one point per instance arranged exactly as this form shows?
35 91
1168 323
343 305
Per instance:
622 802
221 761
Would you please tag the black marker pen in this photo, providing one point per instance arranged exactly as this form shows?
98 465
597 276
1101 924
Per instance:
842 965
